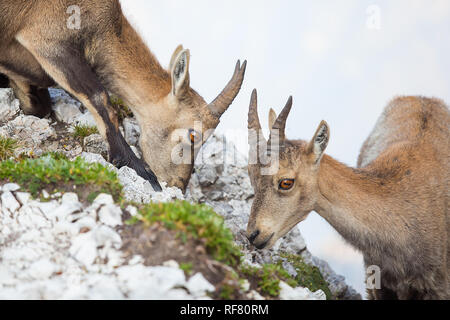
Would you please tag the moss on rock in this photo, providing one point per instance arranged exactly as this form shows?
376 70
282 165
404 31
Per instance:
197 221
55 173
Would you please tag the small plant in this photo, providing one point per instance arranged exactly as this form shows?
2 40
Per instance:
187 268
268 278
82 131
122 110
197 222
7 148
56 172
227 291
307 276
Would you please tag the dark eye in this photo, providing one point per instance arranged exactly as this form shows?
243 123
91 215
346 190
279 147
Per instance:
193 136
286 184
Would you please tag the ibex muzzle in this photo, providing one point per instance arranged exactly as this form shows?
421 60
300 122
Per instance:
394 209
89 48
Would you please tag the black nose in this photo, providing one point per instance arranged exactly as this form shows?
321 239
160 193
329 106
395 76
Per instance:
253 236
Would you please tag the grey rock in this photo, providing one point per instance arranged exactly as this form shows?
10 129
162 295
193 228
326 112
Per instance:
29 130
9 105
66 112
131 131
86 119
96 158
59 96
96 144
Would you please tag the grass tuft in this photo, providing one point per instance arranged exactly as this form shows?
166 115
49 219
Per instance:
187 268
195 221
307 276
7 148
82 131
268 278
122 110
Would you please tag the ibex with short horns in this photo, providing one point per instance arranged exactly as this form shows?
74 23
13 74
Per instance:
101 54
393 208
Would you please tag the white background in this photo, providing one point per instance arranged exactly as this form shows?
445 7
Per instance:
339 61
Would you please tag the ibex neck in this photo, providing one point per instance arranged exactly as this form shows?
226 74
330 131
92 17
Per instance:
133 72
354 204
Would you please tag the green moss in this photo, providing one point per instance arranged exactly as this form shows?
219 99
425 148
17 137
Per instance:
268 278
307 276
196 221
227 291
82 131
7 148
57 172
187 268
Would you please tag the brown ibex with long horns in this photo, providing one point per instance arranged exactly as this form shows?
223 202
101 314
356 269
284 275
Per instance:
99 53
393 208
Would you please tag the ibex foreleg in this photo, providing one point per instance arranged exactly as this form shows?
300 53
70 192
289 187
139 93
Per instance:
68 67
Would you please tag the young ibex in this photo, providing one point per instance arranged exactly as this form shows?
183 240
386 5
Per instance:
394 208
97 53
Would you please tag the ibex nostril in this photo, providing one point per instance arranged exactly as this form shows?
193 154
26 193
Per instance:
253 236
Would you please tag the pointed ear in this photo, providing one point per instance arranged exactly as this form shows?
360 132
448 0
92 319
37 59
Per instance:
175 56
319 142
272 118
180 72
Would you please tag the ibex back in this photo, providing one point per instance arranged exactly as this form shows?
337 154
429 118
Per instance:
99 53
394 208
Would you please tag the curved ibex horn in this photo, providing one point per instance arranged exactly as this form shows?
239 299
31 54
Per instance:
255 137
279 127
226 97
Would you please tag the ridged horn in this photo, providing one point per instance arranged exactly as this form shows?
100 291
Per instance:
255 137
279 127
227 96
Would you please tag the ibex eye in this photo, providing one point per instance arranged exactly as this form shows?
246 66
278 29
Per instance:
193 136
286 184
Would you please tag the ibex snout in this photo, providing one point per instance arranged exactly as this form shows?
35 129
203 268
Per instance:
258 239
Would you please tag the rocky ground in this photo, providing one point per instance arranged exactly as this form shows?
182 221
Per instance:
61 247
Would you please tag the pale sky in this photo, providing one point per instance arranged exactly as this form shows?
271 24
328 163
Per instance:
341 60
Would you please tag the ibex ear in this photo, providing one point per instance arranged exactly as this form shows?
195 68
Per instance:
175 55
272 118
319 142
180 71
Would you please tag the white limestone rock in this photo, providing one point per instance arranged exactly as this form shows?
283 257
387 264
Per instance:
299 293
9 202
10 187
199 286
104 199
9 105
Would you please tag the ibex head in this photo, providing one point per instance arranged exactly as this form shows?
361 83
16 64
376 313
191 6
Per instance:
288 194
172 136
